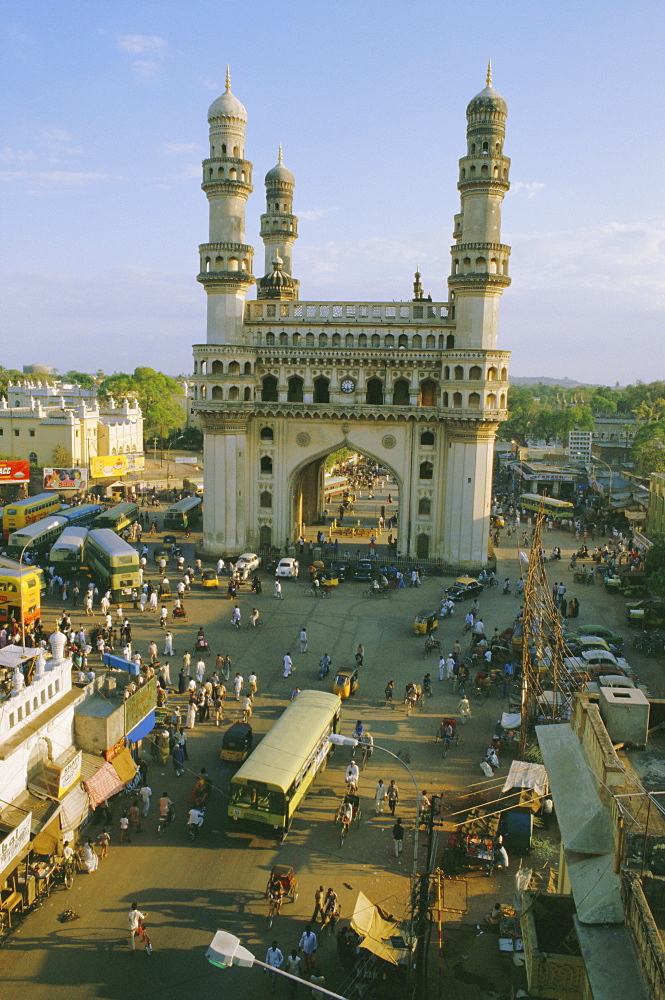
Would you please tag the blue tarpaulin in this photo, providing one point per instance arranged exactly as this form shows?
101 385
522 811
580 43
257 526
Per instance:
144 727
120 663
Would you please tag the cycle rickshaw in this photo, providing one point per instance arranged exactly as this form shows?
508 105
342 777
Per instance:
352 799
447 733
282 882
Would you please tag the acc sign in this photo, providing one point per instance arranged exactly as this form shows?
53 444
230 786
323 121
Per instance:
14 472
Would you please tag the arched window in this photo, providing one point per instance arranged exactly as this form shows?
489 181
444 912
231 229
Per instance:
217 368
417 342
492 374
401 392
234 392
444 400
474 400
233 264
32 458
491 400
323 340
234 368
267 434
219 263
481 263
475 372
270 339
269 389
265 538
503 400
266 466
309 340
348 340
426 470
362 340
223 149
217 392
336 340
389 341
446 372
204 392
450 342
504 374
425 506
429 392
247 394
283 340
430 342
296 339
458 373
403 340
427 438
265 499
457 400
248 368
294 391
422 546
321 390
374 392
376 340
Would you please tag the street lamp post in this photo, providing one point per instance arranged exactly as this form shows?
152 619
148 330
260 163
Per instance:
348 741
225 950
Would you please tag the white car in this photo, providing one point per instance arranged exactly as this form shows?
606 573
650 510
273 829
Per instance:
248 562
287 568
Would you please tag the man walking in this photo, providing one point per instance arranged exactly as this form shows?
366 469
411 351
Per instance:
318 900
275 960
464 708
168 644
238 682
288 665
134 921
379 795
145 792
308 946
398 836
392 796
303 640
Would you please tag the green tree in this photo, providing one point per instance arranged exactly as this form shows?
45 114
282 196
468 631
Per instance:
157 395
61 457
80 378
8 375
523 410
648 449
655 566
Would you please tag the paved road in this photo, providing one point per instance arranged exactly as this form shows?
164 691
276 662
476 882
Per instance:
190 890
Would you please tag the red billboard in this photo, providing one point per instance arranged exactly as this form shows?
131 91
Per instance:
14 472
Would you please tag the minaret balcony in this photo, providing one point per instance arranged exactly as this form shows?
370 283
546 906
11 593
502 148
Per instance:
227 186
478 280
230 278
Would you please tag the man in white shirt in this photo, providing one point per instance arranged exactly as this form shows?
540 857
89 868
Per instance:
275 960
134 920
288 665
144 794
352 774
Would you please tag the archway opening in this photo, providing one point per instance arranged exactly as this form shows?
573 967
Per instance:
349 497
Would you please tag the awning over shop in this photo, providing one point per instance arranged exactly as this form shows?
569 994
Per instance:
74 809
144 727
379 931
522 774
103 785
123 764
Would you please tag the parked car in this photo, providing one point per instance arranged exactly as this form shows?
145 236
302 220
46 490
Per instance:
339 570
248 562
463 588
364 570
287 568
613 638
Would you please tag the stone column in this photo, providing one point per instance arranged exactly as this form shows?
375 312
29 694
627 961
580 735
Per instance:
468 494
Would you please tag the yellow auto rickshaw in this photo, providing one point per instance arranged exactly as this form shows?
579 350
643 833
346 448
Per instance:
425 622
346 682
237 742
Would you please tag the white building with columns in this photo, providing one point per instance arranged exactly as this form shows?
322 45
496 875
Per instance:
279 383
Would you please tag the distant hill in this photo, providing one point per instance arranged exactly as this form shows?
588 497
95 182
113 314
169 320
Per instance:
566 383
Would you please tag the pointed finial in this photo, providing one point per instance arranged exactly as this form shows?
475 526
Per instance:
489 72
228 79
279 155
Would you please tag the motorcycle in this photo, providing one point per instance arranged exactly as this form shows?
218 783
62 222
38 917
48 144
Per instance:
447 609
195 822
506 587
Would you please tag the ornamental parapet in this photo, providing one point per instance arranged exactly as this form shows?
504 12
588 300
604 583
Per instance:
225 185
481 279
238 278
486 183
366 314
494 247
346 411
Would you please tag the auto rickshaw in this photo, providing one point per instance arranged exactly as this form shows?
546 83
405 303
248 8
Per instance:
237 742
209 578
425 622
346 682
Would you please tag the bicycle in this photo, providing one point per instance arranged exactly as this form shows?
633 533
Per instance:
344 829
64 871
311 591
274 908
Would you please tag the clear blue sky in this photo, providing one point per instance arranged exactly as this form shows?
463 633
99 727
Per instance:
104 128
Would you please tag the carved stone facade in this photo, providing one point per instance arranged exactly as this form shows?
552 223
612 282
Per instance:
419 386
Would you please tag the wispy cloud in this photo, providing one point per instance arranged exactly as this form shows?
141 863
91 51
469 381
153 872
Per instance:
40 182
9 155
312 214
139 44
151 47
529 188
173 148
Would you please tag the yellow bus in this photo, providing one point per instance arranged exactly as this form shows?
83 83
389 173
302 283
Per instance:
20 594
552 506
273 781
17 515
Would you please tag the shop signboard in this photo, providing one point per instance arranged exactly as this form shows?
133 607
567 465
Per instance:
14 842
14 472
140 704
70 773
65 479
108 466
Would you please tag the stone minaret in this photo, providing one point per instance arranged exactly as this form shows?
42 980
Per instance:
279 226
226 260
479 270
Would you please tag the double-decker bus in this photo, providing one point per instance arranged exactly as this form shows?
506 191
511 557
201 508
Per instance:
117 518
112 563
17 515
552 506
83 513
37 537
274 779
20 593
183 514
67 555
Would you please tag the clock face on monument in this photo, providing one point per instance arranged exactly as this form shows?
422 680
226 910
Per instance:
347 385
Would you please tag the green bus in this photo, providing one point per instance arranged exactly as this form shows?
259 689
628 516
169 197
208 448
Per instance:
113 563
183 514
36 537
273 781
117 518
552 506
67 555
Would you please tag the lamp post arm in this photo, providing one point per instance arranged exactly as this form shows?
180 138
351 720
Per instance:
298 979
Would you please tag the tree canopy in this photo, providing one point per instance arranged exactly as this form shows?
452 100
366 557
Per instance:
655 566
157 395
